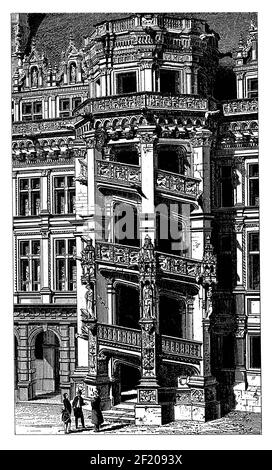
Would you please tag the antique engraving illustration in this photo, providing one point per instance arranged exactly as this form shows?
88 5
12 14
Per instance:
136 223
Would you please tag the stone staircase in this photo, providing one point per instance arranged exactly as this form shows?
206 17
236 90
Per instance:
123 413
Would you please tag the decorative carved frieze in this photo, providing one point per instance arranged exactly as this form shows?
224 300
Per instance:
148 396
147 100
177 184
118 172
37 313
243 106
177 265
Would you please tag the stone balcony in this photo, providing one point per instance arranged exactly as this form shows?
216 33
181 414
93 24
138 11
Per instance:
115 172
173 348
117 255
170 184
242 106
177 185
138 101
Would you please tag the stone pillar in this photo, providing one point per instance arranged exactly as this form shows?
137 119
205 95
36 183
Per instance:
196 397
111 293
148 166
241 384
46 107
45 285
188 81
44 192
103 79
25 384
64 358
238 180
239 228
148 411
16 109
53 107
190 319
146 76
240 86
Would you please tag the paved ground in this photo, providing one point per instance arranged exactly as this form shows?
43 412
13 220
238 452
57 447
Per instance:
37 417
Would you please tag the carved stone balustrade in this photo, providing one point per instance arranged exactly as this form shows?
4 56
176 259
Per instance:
127 256
178 265
244 106
178 349
117 172
117 254
177 185
182 348
138 101
118 335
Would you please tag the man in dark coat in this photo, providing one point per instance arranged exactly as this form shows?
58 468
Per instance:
66 413
97 417
77 404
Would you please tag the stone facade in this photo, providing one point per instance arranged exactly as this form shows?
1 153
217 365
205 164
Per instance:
127 124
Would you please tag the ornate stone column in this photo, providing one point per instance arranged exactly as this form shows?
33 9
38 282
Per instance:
148 411
97 375
148 166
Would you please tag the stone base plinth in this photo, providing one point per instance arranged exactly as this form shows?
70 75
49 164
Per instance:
196 400
25 391
148 415
103 385
247 399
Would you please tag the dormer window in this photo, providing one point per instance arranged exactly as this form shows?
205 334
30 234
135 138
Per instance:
252 88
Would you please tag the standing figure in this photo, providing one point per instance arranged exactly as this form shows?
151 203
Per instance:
78 402
66 414
97 417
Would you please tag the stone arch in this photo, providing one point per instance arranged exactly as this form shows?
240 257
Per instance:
45 359
126 377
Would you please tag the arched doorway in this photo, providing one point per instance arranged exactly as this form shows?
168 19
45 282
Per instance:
127 306
46 359
126 380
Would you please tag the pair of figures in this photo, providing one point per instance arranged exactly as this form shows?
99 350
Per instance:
77 404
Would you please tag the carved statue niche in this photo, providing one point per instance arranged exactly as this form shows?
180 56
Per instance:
148 300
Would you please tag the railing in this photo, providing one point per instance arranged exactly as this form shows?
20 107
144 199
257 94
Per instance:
118 172
30 128
243 106
117 254
230 145
156 20
177 184
138 101
173 264
128 256
181 347
119 335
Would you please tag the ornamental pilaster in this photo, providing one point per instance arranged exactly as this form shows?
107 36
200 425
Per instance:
148 388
